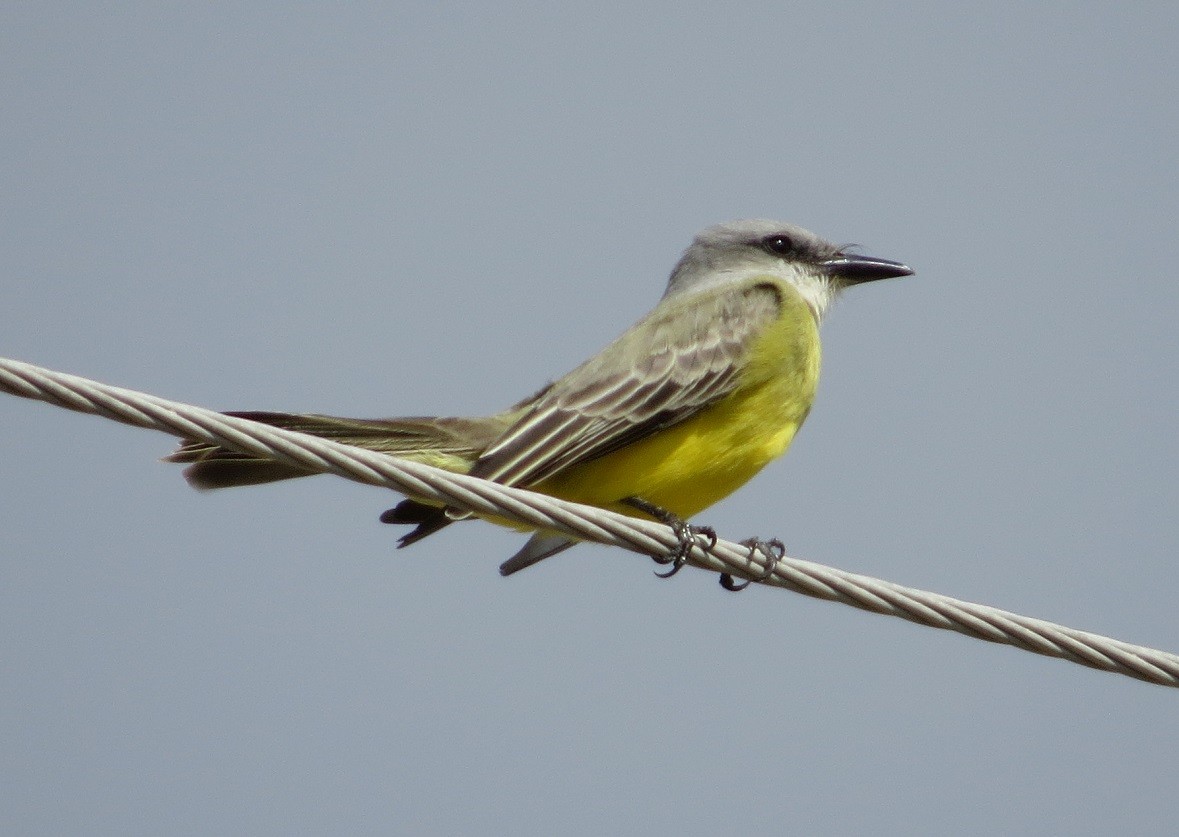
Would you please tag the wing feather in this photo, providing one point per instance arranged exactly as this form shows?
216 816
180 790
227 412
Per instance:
675 362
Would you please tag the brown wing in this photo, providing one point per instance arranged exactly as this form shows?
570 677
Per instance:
679 359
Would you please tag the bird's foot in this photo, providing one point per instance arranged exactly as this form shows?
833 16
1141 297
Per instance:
774 551
687 535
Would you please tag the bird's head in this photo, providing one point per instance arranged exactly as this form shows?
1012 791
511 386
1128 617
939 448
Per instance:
815 266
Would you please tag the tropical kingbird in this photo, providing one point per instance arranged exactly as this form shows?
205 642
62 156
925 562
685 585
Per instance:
676 414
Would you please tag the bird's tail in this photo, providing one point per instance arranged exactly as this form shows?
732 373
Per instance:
450 443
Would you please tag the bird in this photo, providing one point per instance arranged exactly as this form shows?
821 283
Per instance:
674 415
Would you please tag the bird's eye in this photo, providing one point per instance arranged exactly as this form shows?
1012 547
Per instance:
779 244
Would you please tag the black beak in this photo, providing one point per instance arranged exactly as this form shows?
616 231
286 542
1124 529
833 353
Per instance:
856 269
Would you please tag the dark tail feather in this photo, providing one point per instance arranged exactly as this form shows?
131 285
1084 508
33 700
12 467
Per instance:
539 547
429 519
215 467
226 473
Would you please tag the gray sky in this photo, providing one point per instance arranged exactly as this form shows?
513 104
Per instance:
379 211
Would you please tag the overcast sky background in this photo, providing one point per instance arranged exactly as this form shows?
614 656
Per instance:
383 210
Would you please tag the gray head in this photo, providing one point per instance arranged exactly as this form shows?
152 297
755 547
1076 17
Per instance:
740 249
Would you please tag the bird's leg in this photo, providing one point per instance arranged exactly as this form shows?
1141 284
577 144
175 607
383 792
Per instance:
685 533
774 551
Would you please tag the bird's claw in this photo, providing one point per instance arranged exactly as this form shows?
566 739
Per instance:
687 535
773 549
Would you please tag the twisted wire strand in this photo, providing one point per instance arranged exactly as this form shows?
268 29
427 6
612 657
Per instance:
585 522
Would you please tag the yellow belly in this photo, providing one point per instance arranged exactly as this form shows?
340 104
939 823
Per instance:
693 464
